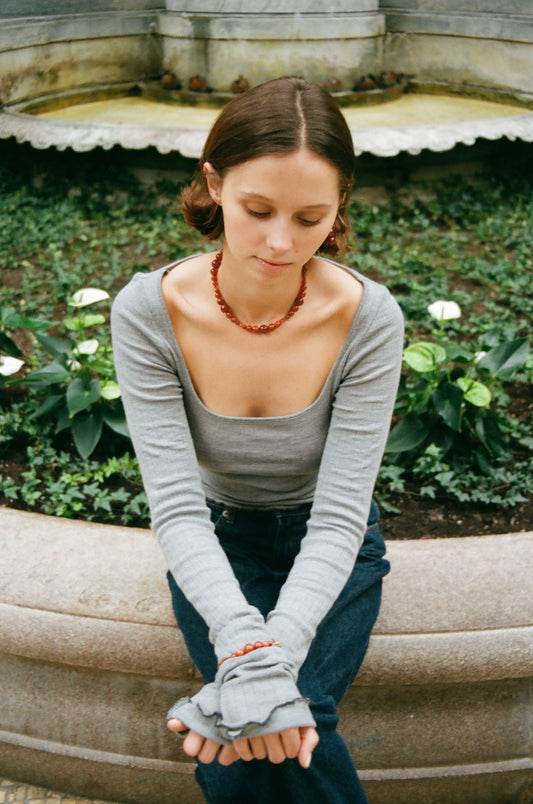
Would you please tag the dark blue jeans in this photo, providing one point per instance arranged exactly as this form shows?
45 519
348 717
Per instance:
261 546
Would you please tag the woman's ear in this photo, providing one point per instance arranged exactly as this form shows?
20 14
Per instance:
213 180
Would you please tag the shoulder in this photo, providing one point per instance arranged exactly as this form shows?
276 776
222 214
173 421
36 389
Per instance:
135 292
377 302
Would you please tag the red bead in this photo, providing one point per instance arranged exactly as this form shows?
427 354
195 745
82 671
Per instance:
248 648
263 329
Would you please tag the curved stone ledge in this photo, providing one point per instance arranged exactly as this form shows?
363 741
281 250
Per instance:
441 710
383 141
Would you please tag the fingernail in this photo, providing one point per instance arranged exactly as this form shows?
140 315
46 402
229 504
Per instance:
307 761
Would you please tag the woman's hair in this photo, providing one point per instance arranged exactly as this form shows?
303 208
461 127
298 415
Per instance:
277 117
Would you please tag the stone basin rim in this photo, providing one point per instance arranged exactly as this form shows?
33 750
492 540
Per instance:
77 615
381 141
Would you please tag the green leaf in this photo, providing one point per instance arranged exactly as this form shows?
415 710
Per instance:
9 347
83 321
489 433
448 401
505 359
110 390
474 392
407 434
86 432
53 346
14 320
81 396
63 420
55 372
424 356
457 354
48 406
116 420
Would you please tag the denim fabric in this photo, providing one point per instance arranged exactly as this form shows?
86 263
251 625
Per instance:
261 546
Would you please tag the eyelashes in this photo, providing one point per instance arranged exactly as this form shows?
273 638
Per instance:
263 215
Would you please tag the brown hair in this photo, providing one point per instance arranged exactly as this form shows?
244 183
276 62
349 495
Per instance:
279 116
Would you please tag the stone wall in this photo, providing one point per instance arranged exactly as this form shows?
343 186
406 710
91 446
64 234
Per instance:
477 42
41 8
60 44
220 40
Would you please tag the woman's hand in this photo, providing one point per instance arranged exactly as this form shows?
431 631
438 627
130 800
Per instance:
195 745
287 744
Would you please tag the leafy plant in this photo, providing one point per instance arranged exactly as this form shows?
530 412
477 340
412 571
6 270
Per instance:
56 482
10 354
446 426
78 387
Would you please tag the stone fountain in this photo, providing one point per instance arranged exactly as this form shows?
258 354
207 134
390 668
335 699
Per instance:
90 656
79 79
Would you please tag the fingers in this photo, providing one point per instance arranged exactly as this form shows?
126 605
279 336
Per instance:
286 744
176 725
227 755
206 750
246 748
276 747
309 741
193 743
291 742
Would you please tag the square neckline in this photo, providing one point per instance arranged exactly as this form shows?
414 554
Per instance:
171 337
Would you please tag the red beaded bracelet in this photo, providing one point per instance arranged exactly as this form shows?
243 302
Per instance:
268 643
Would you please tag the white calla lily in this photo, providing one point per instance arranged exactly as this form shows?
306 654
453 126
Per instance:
87 296
87 347
444 310
10 365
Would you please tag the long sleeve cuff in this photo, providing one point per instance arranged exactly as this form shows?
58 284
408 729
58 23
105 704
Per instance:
252 695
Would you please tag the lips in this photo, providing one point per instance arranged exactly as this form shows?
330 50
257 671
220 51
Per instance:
272 267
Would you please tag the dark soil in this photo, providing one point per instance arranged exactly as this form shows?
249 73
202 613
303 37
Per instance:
422 518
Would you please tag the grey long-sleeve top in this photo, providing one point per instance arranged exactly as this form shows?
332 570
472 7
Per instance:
328 454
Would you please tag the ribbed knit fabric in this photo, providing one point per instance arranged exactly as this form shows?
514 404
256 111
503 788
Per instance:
329 453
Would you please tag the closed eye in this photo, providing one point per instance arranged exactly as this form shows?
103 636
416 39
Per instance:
257 214
303 221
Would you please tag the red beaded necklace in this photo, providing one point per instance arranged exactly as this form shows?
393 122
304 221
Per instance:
262 329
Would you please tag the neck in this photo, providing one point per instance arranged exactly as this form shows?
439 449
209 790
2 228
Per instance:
259 297
263 302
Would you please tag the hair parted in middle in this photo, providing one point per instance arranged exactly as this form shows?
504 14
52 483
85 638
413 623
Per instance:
277 117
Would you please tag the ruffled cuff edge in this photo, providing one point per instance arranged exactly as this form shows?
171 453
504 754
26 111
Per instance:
289 714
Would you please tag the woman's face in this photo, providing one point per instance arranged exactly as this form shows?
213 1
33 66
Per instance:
278 209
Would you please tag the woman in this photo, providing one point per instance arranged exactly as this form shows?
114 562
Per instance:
258 384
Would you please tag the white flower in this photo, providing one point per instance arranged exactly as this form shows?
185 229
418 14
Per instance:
479 356
10 365
444 310
88 296
87 347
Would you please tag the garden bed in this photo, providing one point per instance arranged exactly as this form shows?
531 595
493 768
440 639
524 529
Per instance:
69 224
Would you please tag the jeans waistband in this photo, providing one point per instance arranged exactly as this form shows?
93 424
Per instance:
233 511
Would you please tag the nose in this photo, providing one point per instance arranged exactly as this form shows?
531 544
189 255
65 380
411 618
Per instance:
279 237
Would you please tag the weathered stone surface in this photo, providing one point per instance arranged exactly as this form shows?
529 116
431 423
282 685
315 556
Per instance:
90 660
